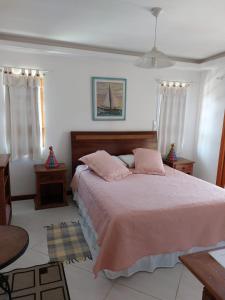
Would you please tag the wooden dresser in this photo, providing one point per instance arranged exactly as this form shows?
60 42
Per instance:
5 195
182 164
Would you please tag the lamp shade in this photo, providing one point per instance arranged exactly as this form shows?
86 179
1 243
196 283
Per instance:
154 59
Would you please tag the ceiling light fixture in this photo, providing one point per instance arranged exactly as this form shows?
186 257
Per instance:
154 58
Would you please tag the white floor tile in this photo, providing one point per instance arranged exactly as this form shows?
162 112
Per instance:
86 265
190 288
41 247
162 283
24 206
83 286
119 292
28 259
57 215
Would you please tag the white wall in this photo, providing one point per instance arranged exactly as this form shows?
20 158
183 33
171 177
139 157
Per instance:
210 124
68 102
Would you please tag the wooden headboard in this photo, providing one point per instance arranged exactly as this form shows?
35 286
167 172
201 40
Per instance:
114 142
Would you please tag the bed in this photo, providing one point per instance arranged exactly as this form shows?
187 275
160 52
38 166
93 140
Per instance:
143 221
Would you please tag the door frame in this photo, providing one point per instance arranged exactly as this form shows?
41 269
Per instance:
221 162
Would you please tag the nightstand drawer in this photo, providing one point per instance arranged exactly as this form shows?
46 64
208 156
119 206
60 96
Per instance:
185 168
51 177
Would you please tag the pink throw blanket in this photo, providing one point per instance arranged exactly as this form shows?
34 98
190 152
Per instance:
145 215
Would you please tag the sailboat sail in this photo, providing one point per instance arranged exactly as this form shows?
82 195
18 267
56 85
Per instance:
116 96
107 99
103 96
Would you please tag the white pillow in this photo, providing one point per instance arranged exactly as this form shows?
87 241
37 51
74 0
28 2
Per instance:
128 159
118 159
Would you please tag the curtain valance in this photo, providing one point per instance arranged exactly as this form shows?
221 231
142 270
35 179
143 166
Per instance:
21 80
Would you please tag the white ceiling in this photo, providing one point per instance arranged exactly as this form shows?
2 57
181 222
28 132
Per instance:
187 28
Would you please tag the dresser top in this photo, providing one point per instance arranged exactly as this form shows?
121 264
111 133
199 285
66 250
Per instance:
4 159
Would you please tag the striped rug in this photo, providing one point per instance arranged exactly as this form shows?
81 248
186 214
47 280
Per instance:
66 243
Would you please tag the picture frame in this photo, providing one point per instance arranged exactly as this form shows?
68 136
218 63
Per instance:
108 98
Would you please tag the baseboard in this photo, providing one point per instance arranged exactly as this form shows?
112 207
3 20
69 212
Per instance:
22 197
31 196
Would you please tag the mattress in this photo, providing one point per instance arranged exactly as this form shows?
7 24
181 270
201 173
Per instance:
148 215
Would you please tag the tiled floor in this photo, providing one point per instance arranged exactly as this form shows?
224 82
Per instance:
164 284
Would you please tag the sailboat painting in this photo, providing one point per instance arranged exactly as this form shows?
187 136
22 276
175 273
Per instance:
109 98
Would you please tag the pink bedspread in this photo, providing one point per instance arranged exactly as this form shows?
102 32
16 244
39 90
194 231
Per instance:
145 215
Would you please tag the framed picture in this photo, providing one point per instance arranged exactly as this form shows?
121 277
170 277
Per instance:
109 98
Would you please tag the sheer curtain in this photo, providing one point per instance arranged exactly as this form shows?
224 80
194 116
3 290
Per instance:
23 129
171 116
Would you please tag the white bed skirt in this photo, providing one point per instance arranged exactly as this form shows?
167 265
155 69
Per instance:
147 263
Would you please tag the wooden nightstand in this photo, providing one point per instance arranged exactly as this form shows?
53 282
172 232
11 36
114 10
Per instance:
182 164
50 186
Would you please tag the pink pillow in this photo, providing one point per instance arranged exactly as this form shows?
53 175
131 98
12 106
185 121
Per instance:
148 161
105 166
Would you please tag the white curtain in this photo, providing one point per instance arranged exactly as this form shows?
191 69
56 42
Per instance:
23 132
171 116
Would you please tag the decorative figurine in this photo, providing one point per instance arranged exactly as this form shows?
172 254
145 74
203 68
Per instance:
51 161
171 157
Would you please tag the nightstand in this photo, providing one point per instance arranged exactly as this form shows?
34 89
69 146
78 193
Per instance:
50 186
182 164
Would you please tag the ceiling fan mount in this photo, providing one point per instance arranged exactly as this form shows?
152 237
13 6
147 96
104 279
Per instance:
154 58
155 11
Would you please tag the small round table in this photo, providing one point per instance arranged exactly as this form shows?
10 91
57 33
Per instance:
13 243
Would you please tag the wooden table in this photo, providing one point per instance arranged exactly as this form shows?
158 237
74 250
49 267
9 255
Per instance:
210 273
13 243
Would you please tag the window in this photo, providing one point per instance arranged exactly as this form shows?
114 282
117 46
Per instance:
171 115
24 113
